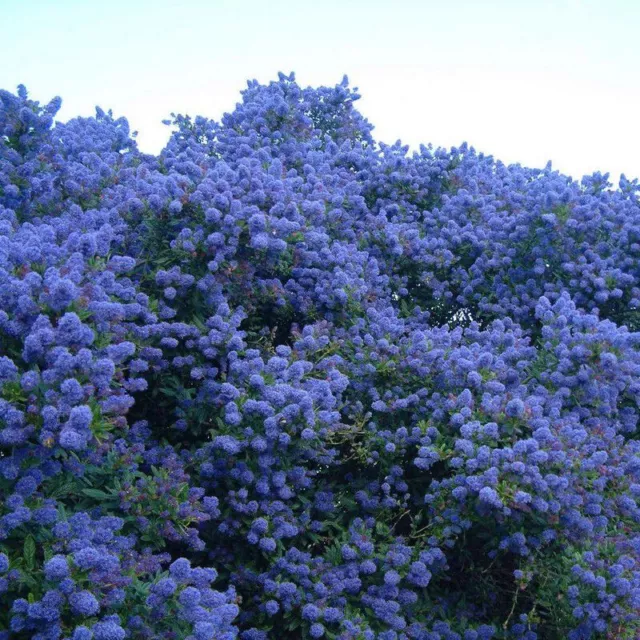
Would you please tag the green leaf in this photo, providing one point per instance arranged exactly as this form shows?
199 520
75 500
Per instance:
29 552
96 493
63 490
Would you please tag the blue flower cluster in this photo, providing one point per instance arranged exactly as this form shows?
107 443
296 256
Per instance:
283 380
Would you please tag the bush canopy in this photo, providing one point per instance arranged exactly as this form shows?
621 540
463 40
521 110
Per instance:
284 381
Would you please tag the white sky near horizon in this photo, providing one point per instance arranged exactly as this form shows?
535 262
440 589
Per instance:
524 80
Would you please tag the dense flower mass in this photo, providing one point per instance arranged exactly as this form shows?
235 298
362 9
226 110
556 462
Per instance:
285 381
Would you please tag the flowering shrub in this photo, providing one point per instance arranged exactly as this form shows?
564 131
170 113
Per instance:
282 381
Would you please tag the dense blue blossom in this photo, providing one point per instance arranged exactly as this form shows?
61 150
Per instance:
285 380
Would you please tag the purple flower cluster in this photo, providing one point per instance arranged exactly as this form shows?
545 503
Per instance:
285 380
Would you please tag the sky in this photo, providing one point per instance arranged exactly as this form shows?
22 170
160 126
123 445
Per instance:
526 81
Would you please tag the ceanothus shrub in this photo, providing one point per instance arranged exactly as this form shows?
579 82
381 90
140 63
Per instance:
284 381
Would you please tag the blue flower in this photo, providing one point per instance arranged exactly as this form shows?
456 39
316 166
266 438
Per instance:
190 597
515 408
180 569
108 630
84 603
56 568
267 544
310 612
272 607
165 587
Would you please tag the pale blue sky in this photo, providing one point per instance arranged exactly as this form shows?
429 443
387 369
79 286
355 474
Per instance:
524 80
